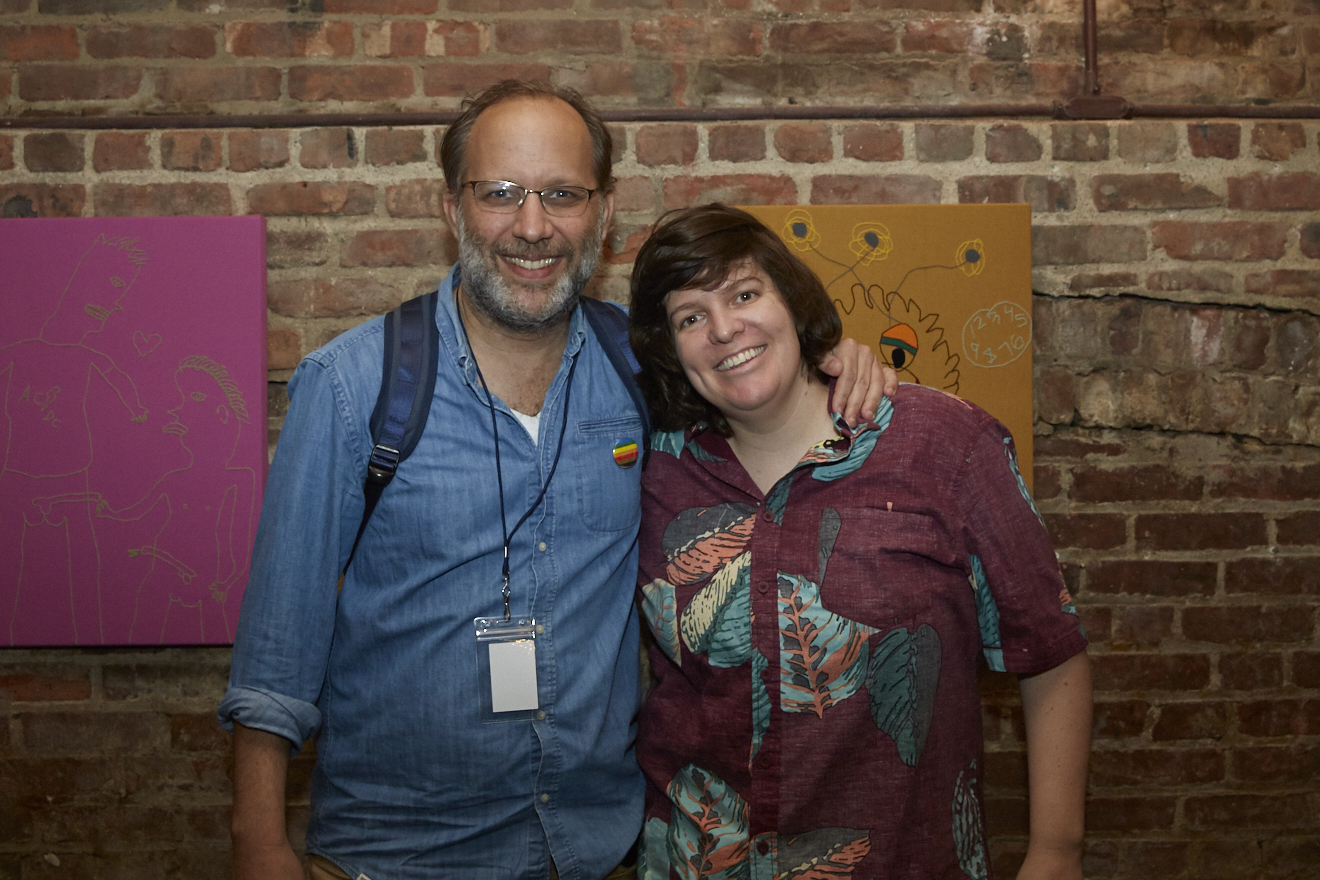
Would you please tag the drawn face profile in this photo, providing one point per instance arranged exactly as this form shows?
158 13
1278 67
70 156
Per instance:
98 284
210 405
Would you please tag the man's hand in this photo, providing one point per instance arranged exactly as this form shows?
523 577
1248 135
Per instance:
274 862
860 380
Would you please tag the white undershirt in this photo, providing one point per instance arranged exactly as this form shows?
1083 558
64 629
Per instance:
531 423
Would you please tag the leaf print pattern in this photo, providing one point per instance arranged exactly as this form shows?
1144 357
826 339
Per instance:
660 608
760 704
862 446
701 540
823 854
987 616
822 655
708 828
777 500
901 678
718 620
1011 454
700 454
967 828
830 523
653 851
667 441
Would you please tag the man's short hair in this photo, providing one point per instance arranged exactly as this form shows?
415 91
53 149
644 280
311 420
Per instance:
453 148
698 247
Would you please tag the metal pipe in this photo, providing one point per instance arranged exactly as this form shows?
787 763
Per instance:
1089 41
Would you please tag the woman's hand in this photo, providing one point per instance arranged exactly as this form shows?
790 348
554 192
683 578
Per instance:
861 380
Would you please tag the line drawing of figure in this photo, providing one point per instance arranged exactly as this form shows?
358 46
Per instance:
200 551
50 591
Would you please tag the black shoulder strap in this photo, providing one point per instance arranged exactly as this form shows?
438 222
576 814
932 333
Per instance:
412 348
610 323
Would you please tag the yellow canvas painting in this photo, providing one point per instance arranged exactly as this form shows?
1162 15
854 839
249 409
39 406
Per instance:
941 292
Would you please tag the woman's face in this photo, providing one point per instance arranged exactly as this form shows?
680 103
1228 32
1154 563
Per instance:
737 344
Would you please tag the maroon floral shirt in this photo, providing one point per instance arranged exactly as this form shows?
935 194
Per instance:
815 711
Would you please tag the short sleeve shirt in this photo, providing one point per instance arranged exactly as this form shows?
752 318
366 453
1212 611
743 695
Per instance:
815 651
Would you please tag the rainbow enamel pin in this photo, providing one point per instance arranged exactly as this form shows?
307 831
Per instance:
625 452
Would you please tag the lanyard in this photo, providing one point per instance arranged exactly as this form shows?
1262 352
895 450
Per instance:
499 474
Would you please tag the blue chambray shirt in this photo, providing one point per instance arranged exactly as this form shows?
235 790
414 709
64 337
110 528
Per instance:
408 781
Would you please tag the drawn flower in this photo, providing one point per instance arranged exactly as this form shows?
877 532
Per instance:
870 242
800 230
971 257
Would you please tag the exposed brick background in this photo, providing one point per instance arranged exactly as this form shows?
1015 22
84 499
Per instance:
1177 339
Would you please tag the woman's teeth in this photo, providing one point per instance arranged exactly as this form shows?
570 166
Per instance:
741 357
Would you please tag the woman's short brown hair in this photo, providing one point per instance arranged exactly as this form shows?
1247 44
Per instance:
698 247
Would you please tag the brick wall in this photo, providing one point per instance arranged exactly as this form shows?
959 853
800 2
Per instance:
1177 271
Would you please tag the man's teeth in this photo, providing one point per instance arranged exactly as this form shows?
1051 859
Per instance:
530 264
741 357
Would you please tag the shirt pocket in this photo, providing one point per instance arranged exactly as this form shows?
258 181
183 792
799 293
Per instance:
888 567
609 493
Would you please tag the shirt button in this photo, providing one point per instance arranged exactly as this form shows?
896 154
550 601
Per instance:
540 630
763 847
545 798
541 546
540 716
762 586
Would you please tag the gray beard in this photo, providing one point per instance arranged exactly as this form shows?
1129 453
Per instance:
490 295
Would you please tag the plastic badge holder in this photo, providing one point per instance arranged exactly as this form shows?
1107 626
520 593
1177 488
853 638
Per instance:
506 668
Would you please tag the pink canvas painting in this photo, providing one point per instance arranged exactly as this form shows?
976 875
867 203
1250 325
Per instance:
133 431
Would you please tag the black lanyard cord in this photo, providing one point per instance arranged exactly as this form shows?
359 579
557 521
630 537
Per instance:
499 473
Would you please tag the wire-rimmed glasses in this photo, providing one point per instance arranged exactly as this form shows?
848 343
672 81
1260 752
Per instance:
505 197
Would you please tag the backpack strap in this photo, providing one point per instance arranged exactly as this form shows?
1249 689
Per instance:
412 348
610 323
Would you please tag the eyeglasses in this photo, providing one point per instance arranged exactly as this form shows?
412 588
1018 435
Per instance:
503 197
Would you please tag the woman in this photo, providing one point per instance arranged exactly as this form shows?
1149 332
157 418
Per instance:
818 596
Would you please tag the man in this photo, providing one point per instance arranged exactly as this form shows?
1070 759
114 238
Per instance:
434 759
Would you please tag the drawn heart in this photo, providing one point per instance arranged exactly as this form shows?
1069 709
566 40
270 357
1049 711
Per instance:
145 344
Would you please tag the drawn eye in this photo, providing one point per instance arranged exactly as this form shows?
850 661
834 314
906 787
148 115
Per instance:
116 281
198 396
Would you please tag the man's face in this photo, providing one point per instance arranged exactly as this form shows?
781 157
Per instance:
525 270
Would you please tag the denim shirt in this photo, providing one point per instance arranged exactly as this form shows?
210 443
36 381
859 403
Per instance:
409 782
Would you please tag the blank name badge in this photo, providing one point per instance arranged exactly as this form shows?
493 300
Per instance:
506 659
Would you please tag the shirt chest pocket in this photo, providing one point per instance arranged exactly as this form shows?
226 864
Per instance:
609 470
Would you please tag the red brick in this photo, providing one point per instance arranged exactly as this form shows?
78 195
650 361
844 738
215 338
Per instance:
1129 814
635 194
939 35
1073 448
1214 38
1279 718
1149 192
1080 141
39 43
191 151
1233 812
736 143
1306 669
297 248
681 37
831 38
1153 578
732 189
943 142
289 39
50 82
1135 483
1167 859
1236 623
448 79
1150 672
209 84
1044 194
1300 528
875 142
563 36
1274 192
488 6
1119 719
121 151
1142 626
44 683
1269 483
1236 241
6 152
1011 142
94 733
1093 531
1284 282
1200 531
398 39
1147 142
1156 767
379 7
42 200
416 198
667 144
1185 279
56 151
1198 720
327 148
1221 857
311 198
162 199
393 247
804 142
38 782
1250 671
331 298
1291 856
1277 764
866 189
1072 245
363 82
1214 140
1290 576
197 733
1277 141
1056 403
202 679
1102 280
395 147
924 5
258 150
151 41
623 243
283 348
